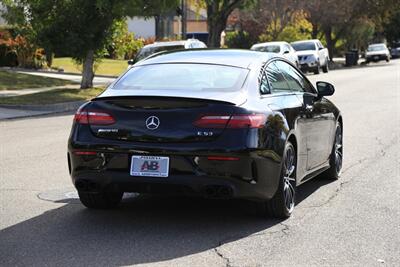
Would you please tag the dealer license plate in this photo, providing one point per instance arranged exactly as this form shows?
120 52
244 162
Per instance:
152 166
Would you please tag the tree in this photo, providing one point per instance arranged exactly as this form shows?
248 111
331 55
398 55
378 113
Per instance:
344 19
331 17
80 28
218 12
268 17
392 27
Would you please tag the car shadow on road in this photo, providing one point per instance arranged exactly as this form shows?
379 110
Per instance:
142 230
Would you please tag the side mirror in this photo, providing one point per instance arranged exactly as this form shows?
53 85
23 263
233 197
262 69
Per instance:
286 52
325 89
320 48
131 62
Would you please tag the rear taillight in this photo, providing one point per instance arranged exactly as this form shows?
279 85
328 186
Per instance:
85 153
93 117
212 121
233 122
244 121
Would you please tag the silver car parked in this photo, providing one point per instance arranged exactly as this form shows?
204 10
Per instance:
282 48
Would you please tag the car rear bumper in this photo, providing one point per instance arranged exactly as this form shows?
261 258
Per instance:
250 177
376 57
311 66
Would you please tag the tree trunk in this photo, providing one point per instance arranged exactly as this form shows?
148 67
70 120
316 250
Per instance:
216 23
87 72
314 33
329 42
215 28
49 57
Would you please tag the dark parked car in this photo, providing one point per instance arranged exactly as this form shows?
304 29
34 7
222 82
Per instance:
212 123
395 50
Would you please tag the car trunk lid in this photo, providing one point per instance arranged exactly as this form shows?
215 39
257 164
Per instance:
158 119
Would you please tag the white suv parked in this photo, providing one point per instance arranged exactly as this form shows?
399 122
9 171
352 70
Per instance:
312 55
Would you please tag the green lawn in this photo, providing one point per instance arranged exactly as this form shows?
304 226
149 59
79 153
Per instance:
15 81
52 97
105 67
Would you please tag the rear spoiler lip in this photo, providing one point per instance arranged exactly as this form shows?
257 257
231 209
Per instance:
99 98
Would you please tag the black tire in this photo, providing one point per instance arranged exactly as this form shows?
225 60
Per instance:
101 200
317 69
336 159
280 206
325 68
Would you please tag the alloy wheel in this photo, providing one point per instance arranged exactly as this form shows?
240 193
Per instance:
338 149
288 178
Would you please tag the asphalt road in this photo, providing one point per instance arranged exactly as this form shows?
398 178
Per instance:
351 222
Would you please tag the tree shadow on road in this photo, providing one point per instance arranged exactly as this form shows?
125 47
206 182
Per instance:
141 230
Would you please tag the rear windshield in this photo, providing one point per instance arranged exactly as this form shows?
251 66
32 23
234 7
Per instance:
267 48
148 51
376 48
187 77
303 46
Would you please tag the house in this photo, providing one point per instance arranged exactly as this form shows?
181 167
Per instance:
169 26
2 21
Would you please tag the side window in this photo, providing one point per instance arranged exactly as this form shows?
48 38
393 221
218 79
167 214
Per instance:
276 79
295 80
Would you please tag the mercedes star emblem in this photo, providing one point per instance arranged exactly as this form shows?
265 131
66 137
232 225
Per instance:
152 122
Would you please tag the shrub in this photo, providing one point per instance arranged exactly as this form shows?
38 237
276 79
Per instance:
298 29
238 39
122 44
6 58
17 50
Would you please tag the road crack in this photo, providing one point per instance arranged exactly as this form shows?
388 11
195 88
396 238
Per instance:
228 262
342 184
334 195
226 259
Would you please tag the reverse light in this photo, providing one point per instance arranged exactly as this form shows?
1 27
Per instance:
94 117
233 122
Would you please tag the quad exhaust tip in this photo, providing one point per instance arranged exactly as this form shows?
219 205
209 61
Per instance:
218 192
85 185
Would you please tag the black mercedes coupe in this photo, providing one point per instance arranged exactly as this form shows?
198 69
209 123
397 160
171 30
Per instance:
213 123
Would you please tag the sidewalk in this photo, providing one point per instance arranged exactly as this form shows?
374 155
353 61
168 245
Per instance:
8 93
97 81
14 111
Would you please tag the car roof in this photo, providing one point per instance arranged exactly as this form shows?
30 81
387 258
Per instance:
305 41
270 43
170 43
377 44
230 57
